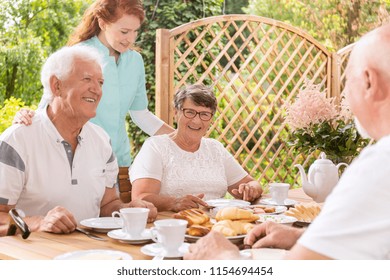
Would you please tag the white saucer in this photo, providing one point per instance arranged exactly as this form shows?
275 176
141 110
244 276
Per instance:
94 255
103 224
122 236
287 202
155 249
222 202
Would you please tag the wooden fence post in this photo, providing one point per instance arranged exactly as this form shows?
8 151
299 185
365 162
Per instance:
162 75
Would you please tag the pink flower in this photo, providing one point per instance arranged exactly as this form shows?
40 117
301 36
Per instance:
311 107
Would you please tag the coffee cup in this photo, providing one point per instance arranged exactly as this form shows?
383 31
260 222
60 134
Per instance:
134 220
279 192
169 234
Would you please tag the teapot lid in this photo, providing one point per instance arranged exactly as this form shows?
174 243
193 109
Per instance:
322 159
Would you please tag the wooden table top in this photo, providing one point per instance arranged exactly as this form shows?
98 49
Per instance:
43 245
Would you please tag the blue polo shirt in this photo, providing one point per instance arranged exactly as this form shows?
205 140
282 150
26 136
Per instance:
123 90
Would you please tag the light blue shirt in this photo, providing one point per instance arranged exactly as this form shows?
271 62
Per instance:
123 90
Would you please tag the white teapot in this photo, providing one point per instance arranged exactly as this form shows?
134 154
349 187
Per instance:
322 178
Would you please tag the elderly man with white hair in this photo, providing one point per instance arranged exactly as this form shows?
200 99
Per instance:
61 169
354 222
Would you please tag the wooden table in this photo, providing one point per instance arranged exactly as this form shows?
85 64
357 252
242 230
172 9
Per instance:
42 245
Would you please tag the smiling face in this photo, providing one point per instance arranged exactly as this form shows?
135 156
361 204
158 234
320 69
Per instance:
79 94
192 129
120 35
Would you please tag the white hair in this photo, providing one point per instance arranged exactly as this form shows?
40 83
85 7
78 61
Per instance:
62 62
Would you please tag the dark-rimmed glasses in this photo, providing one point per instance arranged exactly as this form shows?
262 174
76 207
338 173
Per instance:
190 114
16 222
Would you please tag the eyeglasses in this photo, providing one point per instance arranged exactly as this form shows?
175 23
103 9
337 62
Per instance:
190 114
16 222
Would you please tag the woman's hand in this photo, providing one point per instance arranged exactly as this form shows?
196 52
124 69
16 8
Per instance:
144 204
188 202
248 191
24 116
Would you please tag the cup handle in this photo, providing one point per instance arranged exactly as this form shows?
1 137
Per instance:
154 234
116 214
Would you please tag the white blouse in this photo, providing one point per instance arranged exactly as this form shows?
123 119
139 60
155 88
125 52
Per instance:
209 170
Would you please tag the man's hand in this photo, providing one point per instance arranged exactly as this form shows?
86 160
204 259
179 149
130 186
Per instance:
270 234
214 246
144 204
58 220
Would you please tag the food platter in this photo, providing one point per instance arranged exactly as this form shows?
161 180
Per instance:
277 209
234 239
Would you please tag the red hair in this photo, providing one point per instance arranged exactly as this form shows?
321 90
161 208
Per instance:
107 10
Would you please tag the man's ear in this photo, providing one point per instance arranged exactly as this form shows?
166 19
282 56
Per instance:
55 86
372 85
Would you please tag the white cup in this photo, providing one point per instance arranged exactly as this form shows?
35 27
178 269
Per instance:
170 234
134 220
279 192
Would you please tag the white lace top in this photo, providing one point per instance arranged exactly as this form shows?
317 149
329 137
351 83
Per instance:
210 170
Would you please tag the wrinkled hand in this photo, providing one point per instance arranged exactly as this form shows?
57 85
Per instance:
58 220
24 116
214 246
270 234
145 204
248 192
188 202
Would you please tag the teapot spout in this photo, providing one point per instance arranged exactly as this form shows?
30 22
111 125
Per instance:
307 186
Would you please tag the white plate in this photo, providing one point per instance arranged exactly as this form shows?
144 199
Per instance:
278 209
222 202
122 236
263 254
269 201
94 255
234 239
103 224
280 219
155 249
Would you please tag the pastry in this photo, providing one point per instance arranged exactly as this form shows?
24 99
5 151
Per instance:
232 228
197 230
305 212
194 216
234 214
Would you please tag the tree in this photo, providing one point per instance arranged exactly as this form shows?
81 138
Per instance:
29 31
335 23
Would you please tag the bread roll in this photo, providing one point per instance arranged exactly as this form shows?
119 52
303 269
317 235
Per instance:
235 213
232 228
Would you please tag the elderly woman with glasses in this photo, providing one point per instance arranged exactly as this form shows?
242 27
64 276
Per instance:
180 170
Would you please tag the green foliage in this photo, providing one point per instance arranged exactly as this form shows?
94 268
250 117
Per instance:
8 111
335 23
30 30
338 141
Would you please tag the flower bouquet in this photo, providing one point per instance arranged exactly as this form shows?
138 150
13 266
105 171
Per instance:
318 124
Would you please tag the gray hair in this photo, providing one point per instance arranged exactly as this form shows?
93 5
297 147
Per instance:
62 62
200 94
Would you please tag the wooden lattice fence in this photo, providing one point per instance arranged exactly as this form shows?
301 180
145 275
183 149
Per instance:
256 66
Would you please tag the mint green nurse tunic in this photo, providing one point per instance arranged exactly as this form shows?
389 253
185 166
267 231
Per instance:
123 90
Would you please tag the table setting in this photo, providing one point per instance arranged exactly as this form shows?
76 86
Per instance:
43 245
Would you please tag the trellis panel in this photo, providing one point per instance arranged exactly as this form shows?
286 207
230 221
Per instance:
256 66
